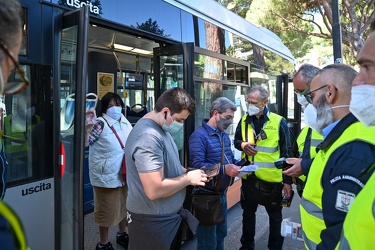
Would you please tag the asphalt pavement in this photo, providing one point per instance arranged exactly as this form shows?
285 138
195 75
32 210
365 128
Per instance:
232 241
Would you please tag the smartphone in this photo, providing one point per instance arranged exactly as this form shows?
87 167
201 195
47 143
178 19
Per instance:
291 230
285 202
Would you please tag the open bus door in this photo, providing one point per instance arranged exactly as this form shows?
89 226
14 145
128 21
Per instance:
173 67
287 105
71 92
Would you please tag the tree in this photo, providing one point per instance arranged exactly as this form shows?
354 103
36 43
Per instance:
151 26
300 16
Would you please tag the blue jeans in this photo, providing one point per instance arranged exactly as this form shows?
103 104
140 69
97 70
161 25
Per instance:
212 237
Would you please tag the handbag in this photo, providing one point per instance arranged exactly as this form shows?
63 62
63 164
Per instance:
206 205
123 163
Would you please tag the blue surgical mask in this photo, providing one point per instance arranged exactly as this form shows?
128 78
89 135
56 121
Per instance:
173 128
178 138
114 112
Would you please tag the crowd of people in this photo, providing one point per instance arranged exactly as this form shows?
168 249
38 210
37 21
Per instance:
140 185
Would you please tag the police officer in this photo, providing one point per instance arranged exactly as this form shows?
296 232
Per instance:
263 137
11 231
359 225
308 138
347 149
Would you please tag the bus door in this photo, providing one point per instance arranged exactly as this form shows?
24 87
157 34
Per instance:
72 104
173 67
287 105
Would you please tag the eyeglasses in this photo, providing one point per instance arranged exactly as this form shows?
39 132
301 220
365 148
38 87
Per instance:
309 97
14 87
303 92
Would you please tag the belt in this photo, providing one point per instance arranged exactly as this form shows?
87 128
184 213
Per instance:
263 186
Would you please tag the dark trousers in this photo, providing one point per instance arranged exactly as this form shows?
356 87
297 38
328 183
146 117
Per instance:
269 195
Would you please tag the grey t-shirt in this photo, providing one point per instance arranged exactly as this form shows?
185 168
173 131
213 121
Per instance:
149 148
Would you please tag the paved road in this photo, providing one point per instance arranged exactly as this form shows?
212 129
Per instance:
232 241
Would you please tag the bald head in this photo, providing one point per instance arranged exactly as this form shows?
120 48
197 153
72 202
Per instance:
340 76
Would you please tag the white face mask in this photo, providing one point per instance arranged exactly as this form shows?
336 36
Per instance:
114 112
311 115
362 104
253 110
302 100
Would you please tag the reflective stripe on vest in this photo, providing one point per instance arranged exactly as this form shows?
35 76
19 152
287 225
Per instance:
268 149
311 203
15 224
359 225
315 140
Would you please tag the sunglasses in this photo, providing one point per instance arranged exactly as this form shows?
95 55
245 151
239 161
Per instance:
309 97
14 87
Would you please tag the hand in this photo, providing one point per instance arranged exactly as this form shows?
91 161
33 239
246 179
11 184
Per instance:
90 117
197 177
296 169
249 149
231 170
287 190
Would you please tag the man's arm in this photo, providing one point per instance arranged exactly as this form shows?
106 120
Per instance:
156 186
341 183
285 151
197 151
238 137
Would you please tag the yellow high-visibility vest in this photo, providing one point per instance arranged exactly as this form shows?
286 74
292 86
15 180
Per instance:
311 202
268 149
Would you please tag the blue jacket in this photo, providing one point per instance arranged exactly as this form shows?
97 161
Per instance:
205 150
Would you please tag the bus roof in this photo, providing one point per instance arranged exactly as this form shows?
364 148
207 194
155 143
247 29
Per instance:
217 14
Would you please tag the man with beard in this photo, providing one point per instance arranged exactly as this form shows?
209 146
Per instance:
359 225
308 138
205 147
347 150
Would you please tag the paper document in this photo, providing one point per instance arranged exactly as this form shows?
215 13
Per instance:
246 170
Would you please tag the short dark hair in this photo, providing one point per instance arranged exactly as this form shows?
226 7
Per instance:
176 99
10 24
106 99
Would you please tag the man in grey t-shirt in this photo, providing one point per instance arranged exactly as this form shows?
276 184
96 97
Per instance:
155 177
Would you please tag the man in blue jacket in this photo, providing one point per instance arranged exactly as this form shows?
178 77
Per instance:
205 146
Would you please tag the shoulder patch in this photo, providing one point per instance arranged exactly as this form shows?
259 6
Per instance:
344 200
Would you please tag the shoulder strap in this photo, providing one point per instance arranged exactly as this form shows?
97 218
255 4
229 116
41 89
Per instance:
218 183
114 131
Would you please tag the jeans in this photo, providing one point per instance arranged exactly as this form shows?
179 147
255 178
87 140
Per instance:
212 237
249 202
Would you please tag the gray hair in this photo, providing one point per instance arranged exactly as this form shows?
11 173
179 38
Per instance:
10 24
263 92
308 72
338 73
221 104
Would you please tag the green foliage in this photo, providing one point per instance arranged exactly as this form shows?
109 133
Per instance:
151 26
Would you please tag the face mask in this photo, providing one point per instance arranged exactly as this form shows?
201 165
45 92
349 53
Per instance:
223 124
302 100
178 138
253 110
311 115
173 128
114 112
2 83
362 104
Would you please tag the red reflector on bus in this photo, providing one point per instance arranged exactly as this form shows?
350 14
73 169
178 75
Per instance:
62 159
